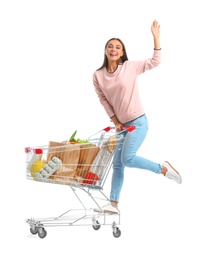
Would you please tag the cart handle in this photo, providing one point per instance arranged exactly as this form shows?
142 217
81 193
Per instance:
35 150
129 128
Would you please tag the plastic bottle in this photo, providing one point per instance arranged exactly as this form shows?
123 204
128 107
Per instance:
36 156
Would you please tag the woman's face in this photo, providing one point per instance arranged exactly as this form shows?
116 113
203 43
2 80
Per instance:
114 50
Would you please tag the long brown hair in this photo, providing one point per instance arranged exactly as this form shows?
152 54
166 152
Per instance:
123 58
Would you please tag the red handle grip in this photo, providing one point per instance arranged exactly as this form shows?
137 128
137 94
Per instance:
129 128
107 129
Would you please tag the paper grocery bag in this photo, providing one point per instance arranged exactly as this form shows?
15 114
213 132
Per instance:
63 176
69 155
88 153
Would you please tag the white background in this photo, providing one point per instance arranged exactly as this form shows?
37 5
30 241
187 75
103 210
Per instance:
48 53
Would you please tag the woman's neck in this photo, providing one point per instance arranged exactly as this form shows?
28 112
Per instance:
112 67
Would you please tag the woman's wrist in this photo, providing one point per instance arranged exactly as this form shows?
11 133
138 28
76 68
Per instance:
117 123
157 43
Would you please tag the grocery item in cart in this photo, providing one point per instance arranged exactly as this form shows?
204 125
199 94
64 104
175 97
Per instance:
63 176
103 158
88 153
111 143
69 155
41 171
91 178
77 156
37 156
35 167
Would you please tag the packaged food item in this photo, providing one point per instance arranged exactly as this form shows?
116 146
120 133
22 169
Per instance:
88 153
91 178
36 166
34 158
41 171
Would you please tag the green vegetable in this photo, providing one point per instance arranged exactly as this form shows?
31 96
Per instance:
72 137
81 141
78 140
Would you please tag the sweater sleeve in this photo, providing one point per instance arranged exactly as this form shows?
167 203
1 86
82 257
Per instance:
150 63
103 100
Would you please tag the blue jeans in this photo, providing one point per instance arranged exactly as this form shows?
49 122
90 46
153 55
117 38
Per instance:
126 156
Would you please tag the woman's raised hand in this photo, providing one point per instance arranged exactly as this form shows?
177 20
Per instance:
155 28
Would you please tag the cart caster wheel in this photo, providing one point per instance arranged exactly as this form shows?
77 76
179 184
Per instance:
34 230
96 226
42 232
117 233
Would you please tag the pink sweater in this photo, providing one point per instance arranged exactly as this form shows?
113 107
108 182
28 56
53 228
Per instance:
118 91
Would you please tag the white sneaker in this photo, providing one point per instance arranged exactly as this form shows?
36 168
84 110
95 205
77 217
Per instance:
107 209
110 209
172 173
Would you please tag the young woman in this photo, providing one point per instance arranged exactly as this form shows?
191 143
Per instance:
115 83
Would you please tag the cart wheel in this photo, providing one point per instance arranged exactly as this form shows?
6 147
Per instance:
117 232
96 226
34 230
42 232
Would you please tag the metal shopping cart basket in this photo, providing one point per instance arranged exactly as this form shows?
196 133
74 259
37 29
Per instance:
82 167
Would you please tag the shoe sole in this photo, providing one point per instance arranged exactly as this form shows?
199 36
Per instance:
172 168
105 211
110 212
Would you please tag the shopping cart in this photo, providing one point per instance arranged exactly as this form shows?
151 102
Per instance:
82 167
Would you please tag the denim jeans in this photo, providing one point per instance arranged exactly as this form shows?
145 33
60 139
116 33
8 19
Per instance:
125 156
